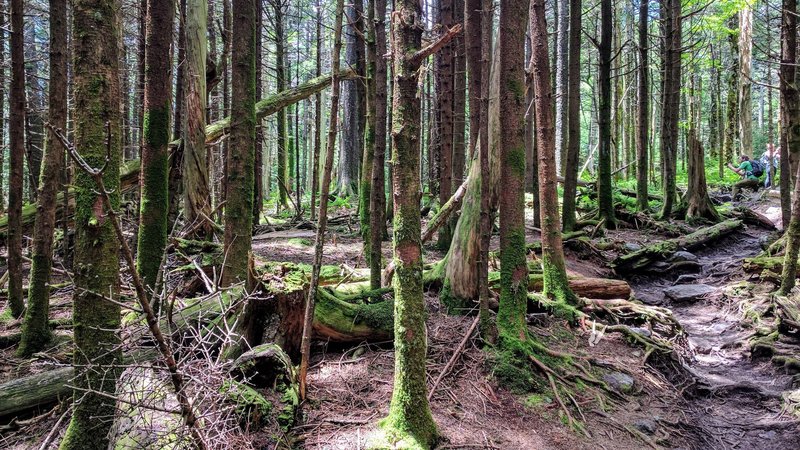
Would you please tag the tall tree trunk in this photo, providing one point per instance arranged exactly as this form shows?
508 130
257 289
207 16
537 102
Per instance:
672 23
317 117
280 85
196 188
732 106
410 423
487 326
531 155
34 107
3 13
573 117
713 118
16 131
473 25
697 201
562 41
459 103
258 164
790 110
319 244
153 214
745 84
175 183
35 327
444 97
240 170
97 138
643 123
354 107
554 269
511 324
605 199
378 146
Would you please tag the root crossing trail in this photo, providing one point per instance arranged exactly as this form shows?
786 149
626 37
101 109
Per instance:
733 402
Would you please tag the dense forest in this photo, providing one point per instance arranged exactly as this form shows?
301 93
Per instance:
517 224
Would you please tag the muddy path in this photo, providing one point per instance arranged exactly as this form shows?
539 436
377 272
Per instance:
731 401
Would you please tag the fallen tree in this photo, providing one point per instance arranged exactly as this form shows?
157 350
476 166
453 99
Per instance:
129 175
660 251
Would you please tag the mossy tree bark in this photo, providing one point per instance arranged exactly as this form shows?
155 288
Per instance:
511 324
745 80
643 113
97 136
788 277
605 198
410 423
196 188
698 203
790 107
35 328
154 208
240 168
671 99
16 131
574 117
175 182
554 269
377 198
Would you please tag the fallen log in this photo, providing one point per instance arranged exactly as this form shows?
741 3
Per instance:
768 267
660 251
129 175
642 220
751 217
630 193
41 389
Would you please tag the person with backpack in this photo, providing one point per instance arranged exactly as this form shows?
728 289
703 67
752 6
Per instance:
750 170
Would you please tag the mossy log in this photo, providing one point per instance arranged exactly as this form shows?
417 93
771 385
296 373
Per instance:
773 265
660 251
751 217
642 220
41 389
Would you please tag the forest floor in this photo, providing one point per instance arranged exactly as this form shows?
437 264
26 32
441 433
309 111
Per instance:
712 395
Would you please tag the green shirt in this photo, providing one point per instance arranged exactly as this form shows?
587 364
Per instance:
748 170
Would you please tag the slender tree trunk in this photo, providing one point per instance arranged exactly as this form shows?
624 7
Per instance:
605 199
153 214
562 41
35 327
354 107
713 123
459 103
531 155
97 139
573 117
317 117
34 107
697 201
280 85
378 192
643 124
444 96
16 131
671 82
554 269
745 85
258 165
410 423
487 326
473 29
789 275
196 187
176 161
319 244
240 170
3 13
732 107
511 324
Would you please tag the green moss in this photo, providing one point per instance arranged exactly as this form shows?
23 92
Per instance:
251 407
300 242
534 401
513 286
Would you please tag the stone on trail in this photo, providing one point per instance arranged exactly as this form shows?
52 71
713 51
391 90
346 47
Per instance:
683 256
683 293
619 381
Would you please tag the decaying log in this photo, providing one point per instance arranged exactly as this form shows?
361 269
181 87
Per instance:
594 288
660 251
642 220
751 217
41 389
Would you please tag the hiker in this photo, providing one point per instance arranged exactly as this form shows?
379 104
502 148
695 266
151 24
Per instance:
771 156
750 171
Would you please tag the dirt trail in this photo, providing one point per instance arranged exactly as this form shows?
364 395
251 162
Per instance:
735 402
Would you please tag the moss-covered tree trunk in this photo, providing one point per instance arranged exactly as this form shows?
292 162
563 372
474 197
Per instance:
790 107
378 192
788 277
240 168
16 131
574 117
511 324
196 187
698 203
410 423
554 270
364 191
154 207
97 134
605 198
175 182
35 328
745 80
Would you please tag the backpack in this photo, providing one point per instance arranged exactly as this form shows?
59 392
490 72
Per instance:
758 168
